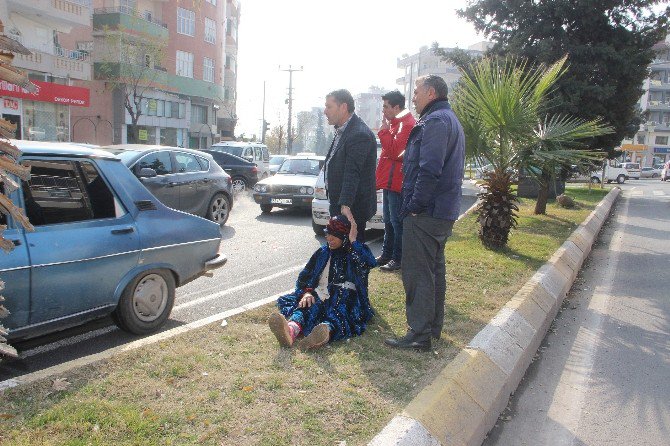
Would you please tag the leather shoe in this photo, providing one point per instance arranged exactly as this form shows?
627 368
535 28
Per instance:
381 260
408 344
390 266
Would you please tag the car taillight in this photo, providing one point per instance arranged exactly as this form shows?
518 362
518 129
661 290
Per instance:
254 169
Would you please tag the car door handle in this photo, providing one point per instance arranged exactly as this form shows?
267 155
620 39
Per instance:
172 184
127 230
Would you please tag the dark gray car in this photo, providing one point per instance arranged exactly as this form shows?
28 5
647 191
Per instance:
183 179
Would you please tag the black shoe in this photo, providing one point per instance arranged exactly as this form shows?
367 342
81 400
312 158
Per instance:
381 260
409 344
390 266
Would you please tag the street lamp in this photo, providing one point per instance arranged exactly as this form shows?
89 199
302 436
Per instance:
216 122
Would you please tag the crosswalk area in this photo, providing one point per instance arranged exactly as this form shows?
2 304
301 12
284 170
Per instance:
647 193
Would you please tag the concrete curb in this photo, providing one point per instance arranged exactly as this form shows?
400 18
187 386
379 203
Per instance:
464 401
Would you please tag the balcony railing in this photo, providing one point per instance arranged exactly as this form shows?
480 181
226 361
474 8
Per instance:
70 7
130 12
54 50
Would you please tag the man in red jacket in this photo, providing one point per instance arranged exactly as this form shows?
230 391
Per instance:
394 132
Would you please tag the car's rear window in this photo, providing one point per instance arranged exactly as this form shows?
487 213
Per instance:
237 151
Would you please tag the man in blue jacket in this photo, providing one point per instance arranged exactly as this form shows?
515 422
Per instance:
433 174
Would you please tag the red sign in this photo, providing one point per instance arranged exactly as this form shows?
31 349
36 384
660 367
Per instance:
11 104
49 92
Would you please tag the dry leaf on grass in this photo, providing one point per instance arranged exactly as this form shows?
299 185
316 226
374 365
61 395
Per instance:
60 384
6 416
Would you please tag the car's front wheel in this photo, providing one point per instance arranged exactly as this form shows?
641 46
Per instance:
620 179
239 184
146 302
595 180
266 208
219 209
318 229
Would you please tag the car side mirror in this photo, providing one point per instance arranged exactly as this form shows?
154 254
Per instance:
249 158
147 172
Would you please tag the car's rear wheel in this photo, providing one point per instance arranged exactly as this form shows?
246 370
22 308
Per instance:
266 208
146 302
239 184
595 180
219 209
318 229
654 175
621 178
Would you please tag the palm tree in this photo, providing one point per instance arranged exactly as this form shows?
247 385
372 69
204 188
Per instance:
502 105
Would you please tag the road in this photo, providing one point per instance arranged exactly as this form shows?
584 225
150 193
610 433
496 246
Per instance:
602 374
265 253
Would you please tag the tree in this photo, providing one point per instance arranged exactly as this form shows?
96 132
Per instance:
609 45
131 67
9 166
276 140
502 108
321 144
307 121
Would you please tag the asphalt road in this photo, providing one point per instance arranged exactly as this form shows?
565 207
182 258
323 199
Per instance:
602 374
265 253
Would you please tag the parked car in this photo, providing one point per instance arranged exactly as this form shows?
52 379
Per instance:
633 170
103 244
251 151
244 173
292 186
183 179
613 172
275 162
665 172
321 209
650 172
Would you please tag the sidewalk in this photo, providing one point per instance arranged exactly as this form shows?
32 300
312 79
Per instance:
602 373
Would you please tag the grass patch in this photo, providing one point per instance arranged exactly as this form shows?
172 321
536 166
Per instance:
233 385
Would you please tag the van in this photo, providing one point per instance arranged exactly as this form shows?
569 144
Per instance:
251 151
633 170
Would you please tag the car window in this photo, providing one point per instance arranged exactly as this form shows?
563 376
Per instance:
237 151
204 163
300 166
266 154
276 160
67 191
158 161
258 154
186 162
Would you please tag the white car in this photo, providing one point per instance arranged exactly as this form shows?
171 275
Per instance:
633 170
650 172
292 186
321 206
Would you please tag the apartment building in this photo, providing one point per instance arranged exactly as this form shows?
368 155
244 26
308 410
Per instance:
426 62
369 107
54 67
650 145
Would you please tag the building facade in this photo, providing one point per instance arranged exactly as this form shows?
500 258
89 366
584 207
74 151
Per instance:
369 107
426 62
651 144
54 67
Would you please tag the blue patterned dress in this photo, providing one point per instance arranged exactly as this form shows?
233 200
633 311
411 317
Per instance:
347 309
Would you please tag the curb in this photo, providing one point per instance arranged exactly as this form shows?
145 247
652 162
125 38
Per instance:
462 404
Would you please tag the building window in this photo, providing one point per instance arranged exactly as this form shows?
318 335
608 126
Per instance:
153 106
231 28
210 30
185 22
182 110
198 114
184 64
213 2
208 70
128 7
662 140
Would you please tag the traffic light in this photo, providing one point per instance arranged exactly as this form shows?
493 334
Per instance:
266 128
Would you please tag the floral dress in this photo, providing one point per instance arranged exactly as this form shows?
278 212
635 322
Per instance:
343 304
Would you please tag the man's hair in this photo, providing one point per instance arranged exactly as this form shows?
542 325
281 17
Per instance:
343 97
438 84
395 98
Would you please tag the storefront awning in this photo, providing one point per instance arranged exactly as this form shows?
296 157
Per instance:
634 147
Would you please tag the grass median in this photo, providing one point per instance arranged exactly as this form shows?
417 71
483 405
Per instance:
233 386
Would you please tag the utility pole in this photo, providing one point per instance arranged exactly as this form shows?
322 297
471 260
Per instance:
264 128
289 101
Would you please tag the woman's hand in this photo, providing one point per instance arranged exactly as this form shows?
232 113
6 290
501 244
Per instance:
306 301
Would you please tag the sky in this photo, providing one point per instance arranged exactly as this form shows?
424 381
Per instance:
352 44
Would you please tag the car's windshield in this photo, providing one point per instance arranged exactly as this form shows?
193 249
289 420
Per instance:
237 151
126 155
300 166
277 160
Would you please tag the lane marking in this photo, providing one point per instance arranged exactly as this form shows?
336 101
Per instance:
658 193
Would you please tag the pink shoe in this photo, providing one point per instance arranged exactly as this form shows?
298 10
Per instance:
279 327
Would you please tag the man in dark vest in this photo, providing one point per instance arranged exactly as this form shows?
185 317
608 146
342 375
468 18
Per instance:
350 164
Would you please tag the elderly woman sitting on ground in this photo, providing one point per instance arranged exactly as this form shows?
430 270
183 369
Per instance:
330 301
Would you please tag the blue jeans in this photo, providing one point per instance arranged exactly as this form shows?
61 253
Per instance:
392 247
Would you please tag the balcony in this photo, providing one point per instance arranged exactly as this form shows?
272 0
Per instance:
194 87
658 105
61 14
156 77
129 20
59 61
657 85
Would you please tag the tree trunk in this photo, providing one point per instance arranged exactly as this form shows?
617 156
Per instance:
542 194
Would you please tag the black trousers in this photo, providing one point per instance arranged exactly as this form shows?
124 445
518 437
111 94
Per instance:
424 273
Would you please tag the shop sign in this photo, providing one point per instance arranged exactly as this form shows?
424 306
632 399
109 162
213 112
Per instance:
11 104
143 135
152 106
634 147
49 92
661 150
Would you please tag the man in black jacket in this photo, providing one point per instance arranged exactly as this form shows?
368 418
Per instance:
350 164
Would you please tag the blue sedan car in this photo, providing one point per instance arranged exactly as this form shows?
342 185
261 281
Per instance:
102 244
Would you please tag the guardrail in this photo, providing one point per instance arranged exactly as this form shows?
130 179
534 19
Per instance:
131 12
